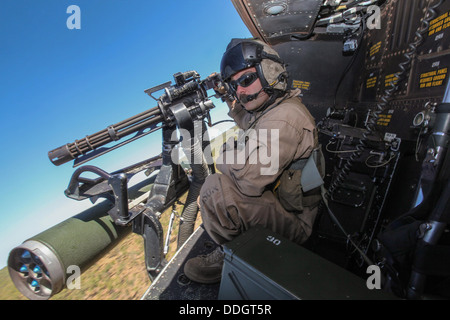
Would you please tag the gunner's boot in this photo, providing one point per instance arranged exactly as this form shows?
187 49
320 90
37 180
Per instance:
205 268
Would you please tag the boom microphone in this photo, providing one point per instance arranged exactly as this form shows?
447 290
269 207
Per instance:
244 98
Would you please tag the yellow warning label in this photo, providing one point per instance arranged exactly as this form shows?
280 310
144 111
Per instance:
384 119
390 78
440 23
433 78
301 84
375 49
371 82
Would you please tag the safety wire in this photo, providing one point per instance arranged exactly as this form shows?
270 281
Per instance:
373 117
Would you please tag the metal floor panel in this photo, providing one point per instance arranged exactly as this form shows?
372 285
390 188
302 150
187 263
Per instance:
172 284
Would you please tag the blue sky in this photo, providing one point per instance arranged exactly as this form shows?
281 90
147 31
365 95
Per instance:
58 85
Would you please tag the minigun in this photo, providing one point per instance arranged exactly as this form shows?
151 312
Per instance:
184 105
187 90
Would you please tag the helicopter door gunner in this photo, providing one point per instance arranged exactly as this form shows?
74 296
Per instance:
248 193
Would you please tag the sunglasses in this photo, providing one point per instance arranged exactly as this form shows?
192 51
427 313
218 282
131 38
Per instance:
244 81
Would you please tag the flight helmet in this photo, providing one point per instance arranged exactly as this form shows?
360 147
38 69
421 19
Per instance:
245 53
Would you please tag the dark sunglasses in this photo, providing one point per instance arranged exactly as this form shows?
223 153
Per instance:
244 81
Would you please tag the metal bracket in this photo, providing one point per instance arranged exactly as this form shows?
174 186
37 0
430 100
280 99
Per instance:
112 186
153 244
157 88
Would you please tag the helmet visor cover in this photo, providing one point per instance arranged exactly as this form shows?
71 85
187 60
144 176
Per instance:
239 57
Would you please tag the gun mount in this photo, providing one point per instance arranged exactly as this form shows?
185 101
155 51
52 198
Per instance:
183 106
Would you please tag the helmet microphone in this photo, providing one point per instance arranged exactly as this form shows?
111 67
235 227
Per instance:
247 98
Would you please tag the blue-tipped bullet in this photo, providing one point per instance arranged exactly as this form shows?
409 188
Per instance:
37 270
35 284
23 269
26 255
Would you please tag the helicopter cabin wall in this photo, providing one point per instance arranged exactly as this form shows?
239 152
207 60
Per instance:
371 88
420 90
316 67
350 87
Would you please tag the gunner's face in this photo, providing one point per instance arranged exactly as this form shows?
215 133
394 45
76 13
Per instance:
248 83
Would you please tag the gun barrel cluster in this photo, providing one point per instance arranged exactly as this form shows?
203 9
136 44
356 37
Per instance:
114 132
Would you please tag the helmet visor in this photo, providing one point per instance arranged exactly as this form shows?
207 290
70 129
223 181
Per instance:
242 56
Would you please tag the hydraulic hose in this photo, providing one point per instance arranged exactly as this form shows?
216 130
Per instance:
199 172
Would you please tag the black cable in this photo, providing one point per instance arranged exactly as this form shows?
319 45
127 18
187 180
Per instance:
350 64
221 121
